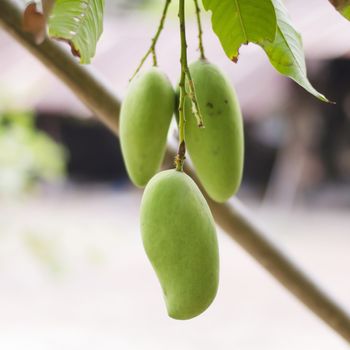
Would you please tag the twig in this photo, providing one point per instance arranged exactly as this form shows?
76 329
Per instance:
152 49
180 157
191 93
200 30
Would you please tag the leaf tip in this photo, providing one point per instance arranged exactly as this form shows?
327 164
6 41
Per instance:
235 57
323 98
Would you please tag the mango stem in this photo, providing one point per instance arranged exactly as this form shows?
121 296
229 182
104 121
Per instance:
200 30
180 157
152 49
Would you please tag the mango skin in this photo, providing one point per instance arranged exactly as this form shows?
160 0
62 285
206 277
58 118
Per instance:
145 118
217 151
179 237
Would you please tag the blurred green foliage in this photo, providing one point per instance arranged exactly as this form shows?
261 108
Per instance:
45 251
27 155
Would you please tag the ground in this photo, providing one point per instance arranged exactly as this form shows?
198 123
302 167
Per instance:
73 275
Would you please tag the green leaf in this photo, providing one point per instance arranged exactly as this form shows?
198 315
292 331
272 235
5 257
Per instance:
286 53
342 6
80 23
238 22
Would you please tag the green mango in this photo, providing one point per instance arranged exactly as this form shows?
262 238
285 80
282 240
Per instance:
179 237
217 150
145 118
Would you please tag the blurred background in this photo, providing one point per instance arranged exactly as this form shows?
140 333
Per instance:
73 273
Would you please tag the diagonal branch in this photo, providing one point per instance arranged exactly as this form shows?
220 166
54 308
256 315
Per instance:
90 90
233 217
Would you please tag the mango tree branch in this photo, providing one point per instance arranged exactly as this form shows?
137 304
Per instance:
232 217
90 90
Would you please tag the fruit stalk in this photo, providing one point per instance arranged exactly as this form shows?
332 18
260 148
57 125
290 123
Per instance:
180 157
186 71
200 30
152 49
185 74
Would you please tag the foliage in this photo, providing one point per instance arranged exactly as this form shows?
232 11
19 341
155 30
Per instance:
238 22
26 154
267 24
286 51
80 23
241 22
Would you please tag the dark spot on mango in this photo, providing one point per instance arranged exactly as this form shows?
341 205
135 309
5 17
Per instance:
219 172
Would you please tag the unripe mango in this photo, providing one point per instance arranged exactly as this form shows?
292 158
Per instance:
144 123
179 237
217 150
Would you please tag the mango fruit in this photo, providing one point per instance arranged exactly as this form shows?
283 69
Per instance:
145 118
217 150
179 237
